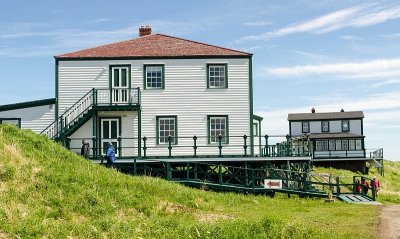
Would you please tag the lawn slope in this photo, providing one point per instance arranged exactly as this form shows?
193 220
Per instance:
47 191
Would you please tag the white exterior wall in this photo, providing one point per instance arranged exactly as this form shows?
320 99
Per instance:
185 95
335 126
35 118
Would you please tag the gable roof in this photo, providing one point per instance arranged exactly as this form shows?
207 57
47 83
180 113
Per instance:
154 46
326 116
27 104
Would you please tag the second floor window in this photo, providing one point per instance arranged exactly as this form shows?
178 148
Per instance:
154 76
325 126
217 76
305 127
345 126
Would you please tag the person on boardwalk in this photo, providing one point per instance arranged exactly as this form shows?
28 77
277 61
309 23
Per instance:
358 186
365 187
85 149
375 182
110 155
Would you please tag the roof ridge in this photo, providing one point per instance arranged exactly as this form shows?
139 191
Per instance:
205 44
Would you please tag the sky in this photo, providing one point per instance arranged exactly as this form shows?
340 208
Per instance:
325 54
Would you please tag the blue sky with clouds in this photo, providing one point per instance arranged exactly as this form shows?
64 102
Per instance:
325 54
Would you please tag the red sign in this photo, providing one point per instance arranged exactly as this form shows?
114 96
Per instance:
272 183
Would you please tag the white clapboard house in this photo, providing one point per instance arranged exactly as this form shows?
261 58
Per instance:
155 95
334 136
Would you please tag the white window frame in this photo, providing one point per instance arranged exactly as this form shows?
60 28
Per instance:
156 68
219 130
162 138
214 75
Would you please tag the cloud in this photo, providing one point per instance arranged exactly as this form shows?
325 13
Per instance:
353 17
373 69
379 109
55 40
257 24
393 36
351 38
97 21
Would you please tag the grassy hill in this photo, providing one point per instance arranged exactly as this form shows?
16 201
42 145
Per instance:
47 191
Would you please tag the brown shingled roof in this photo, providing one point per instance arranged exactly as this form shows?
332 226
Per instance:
326 116
156 45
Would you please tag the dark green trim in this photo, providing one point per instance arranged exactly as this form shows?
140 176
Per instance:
110 83
209 128
322 128
208 75
251 104
11 118
256 124
158 128
362 127
139 136
162 76
258 118
259 137
56 91
27 104
348 126
150 58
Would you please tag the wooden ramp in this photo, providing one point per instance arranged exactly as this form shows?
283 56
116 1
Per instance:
358 199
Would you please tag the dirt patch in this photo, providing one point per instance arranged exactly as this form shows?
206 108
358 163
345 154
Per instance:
389 222
210 217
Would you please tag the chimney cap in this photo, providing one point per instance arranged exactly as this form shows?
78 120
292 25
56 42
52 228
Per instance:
313 110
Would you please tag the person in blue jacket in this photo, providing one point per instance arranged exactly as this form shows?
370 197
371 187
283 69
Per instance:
110 155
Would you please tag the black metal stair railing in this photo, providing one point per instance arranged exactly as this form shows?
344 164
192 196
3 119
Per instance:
95 97
70 116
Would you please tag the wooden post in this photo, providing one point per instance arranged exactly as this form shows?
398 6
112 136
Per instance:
169 146
220 145
187 170
220 173
337 186
373 189
266 145
144 147
245 145
195 146
119 147
168 171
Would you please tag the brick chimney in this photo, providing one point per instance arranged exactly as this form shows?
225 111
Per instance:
313 110
342 110
144 31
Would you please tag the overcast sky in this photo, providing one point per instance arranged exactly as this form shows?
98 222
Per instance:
323 54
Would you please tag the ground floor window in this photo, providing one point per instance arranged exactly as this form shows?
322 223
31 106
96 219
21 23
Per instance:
166 126
338 145
12 121
218 125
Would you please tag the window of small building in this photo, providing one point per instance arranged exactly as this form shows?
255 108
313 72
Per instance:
154 77
325 126
352 144
332 145
338 145
218 125
345 145
217 76
12 121
167 126
345 126
305 127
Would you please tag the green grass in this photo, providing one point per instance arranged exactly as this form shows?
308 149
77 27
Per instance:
390 183
47 191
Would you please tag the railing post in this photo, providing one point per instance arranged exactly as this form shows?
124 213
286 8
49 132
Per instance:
266 145
220 173
354 185
134 167
195 146
169 146
119 147
288 145
144 147
252 180
187 170
195 171
245 145
337 186
168 171
220 145
94 148
373 189
69 143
